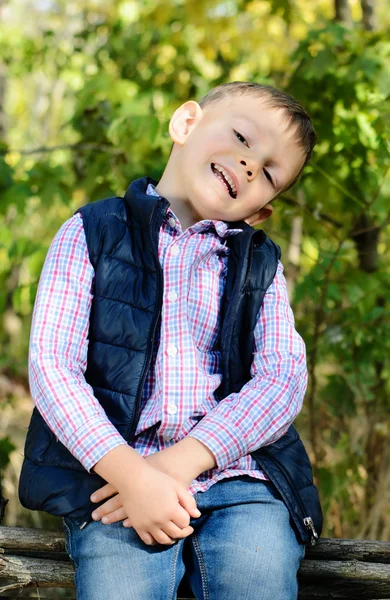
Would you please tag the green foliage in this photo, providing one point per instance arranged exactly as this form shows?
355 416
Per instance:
6 447
98 83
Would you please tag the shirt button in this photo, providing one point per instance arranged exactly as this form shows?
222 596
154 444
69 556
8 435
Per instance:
175 250
173 296
172 409
167 438
172 350
172 222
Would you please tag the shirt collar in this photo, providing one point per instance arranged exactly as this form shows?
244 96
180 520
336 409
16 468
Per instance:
221 227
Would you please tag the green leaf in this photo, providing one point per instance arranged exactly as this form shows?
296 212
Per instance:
6 174
355 293
6 447
338 396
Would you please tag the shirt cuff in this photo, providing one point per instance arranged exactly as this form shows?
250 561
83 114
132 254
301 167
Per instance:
227 446
93 441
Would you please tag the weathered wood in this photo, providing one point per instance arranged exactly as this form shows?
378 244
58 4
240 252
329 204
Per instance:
44 571
21 538
25 539
341 590
333 569
35 571
358 570
48 573
366 550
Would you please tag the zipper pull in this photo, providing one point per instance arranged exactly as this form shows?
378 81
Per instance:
87 520
308 522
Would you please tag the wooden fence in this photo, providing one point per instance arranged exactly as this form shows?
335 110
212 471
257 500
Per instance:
334 568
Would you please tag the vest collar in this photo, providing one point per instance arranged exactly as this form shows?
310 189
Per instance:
142 204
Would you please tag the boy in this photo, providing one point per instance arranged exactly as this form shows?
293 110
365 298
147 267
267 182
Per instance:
166 368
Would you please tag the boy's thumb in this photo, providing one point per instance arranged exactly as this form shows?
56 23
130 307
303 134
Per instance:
188 503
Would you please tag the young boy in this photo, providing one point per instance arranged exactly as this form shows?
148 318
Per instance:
166 369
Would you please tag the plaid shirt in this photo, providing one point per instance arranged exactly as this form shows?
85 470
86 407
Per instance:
178 397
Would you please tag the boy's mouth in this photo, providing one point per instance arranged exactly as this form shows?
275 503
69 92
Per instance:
224 176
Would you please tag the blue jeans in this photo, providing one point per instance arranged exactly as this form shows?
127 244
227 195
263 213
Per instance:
243 547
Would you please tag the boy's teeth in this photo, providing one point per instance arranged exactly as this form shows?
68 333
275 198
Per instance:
227 177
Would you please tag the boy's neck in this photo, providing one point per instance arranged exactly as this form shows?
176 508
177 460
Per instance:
172 191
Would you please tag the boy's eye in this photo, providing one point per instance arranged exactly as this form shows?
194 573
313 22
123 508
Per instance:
240 137
268 176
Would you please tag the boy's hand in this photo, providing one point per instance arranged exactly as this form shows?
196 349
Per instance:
158 507
113 510
182 462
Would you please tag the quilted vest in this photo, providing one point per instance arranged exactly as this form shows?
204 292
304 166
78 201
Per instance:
122 239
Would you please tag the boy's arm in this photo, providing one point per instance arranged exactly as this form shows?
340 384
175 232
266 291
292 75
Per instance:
264 408
58 349
267 405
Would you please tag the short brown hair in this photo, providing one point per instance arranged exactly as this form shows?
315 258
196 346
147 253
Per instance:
296 114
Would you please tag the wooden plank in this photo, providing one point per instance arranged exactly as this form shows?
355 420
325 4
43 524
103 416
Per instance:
25 539
22 538
35 571
340 549
45 571
342 590
351 569
26 572
334 568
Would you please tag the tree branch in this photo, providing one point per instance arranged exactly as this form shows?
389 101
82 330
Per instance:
76 146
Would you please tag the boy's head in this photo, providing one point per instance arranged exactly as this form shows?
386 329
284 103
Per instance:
234 152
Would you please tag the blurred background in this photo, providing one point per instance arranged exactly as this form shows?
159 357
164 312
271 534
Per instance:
86 92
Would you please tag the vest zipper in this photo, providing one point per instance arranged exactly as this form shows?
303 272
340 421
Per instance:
307 521
154 328
87 518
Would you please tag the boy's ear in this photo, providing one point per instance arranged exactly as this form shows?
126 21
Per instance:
260 216
183 120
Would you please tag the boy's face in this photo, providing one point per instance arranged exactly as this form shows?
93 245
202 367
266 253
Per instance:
232 158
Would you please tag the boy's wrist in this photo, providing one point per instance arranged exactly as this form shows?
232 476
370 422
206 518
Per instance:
122 459
187 459
198 456
184 461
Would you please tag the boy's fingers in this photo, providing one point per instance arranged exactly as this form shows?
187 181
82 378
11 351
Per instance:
115 516
107 508
176 533
148 539
104 492
188 503
181 518
162 538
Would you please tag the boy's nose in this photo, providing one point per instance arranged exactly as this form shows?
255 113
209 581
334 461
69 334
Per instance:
249 173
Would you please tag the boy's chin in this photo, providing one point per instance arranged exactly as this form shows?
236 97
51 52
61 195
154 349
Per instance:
212 203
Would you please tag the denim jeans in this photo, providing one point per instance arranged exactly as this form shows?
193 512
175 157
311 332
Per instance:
243 548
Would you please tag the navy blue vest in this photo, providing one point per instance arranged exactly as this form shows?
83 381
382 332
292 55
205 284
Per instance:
122 238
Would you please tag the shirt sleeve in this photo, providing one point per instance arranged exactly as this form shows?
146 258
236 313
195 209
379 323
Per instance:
59 346
266 406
